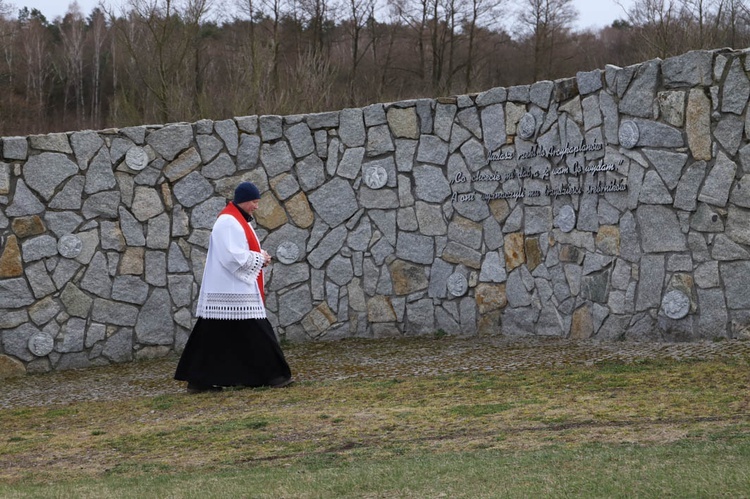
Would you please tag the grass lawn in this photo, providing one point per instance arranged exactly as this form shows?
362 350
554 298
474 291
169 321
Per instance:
658 428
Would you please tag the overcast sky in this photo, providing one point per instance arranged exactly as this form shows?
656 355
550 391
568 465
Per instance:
592 13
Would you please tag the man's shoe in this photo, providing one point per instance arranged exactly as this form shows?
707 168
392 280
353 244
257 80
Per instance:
193 388
282 384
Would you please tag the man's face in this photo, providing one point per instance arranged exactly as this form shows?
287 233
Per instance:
250 206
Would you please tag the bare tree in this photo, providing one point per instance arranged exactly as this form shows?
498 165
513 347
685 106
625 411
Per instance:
72 35
480 13
162 40
98 27
545 22
36 56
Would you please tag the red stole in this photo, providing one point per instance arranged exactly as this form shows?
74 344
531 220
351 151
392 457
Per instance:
252 240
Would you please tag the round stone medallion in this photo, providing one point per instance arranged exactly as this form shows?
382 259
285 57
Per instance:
41 344
629 134
376 177
287 252
69 246
566 218
457 284
526 126
675 304
136 158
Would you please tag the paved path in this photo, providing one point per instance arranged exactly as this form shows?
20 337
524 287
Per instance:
362 359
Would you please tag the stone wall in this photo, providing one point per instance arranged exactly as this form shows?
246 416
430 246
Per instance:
612 205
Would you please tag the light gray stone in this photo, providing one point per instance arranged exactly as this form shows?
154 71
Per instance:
223 166
130 289
100 176
719 181
102 204
638 98
379 141
431 184
610 117
56 142
589 81
288 275
351 163
493 96
323 120
340 270
119 346
736 89
655 134
415 248
493 124
156 268
131 228
735 276
738 225
707 275
518 321
209 146
15 341
301 139
270 127
653 190
85 144
155 325
713 316
687 189
158 232
189 191
327 247
227 130
284 186
493 268
248 152
458 253
335 201
687 70
39 279
432 149
660 229
352 127
38 247
705 219
170 140
516 291
15 148
420 317
651 282
276 158
538 219
176 261
669 165
46 171
310 172
111 239
294 305
672 106
728 133
374 114
724 249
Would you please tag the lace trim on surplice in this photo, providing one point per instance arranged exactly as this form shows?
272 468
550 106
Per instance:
230 306
249 271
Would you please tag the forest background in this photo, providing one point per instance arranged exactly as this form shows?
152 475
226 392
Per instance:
164 61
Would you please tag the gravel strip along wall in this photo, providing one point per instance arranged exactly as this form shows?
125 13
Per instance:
612 206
